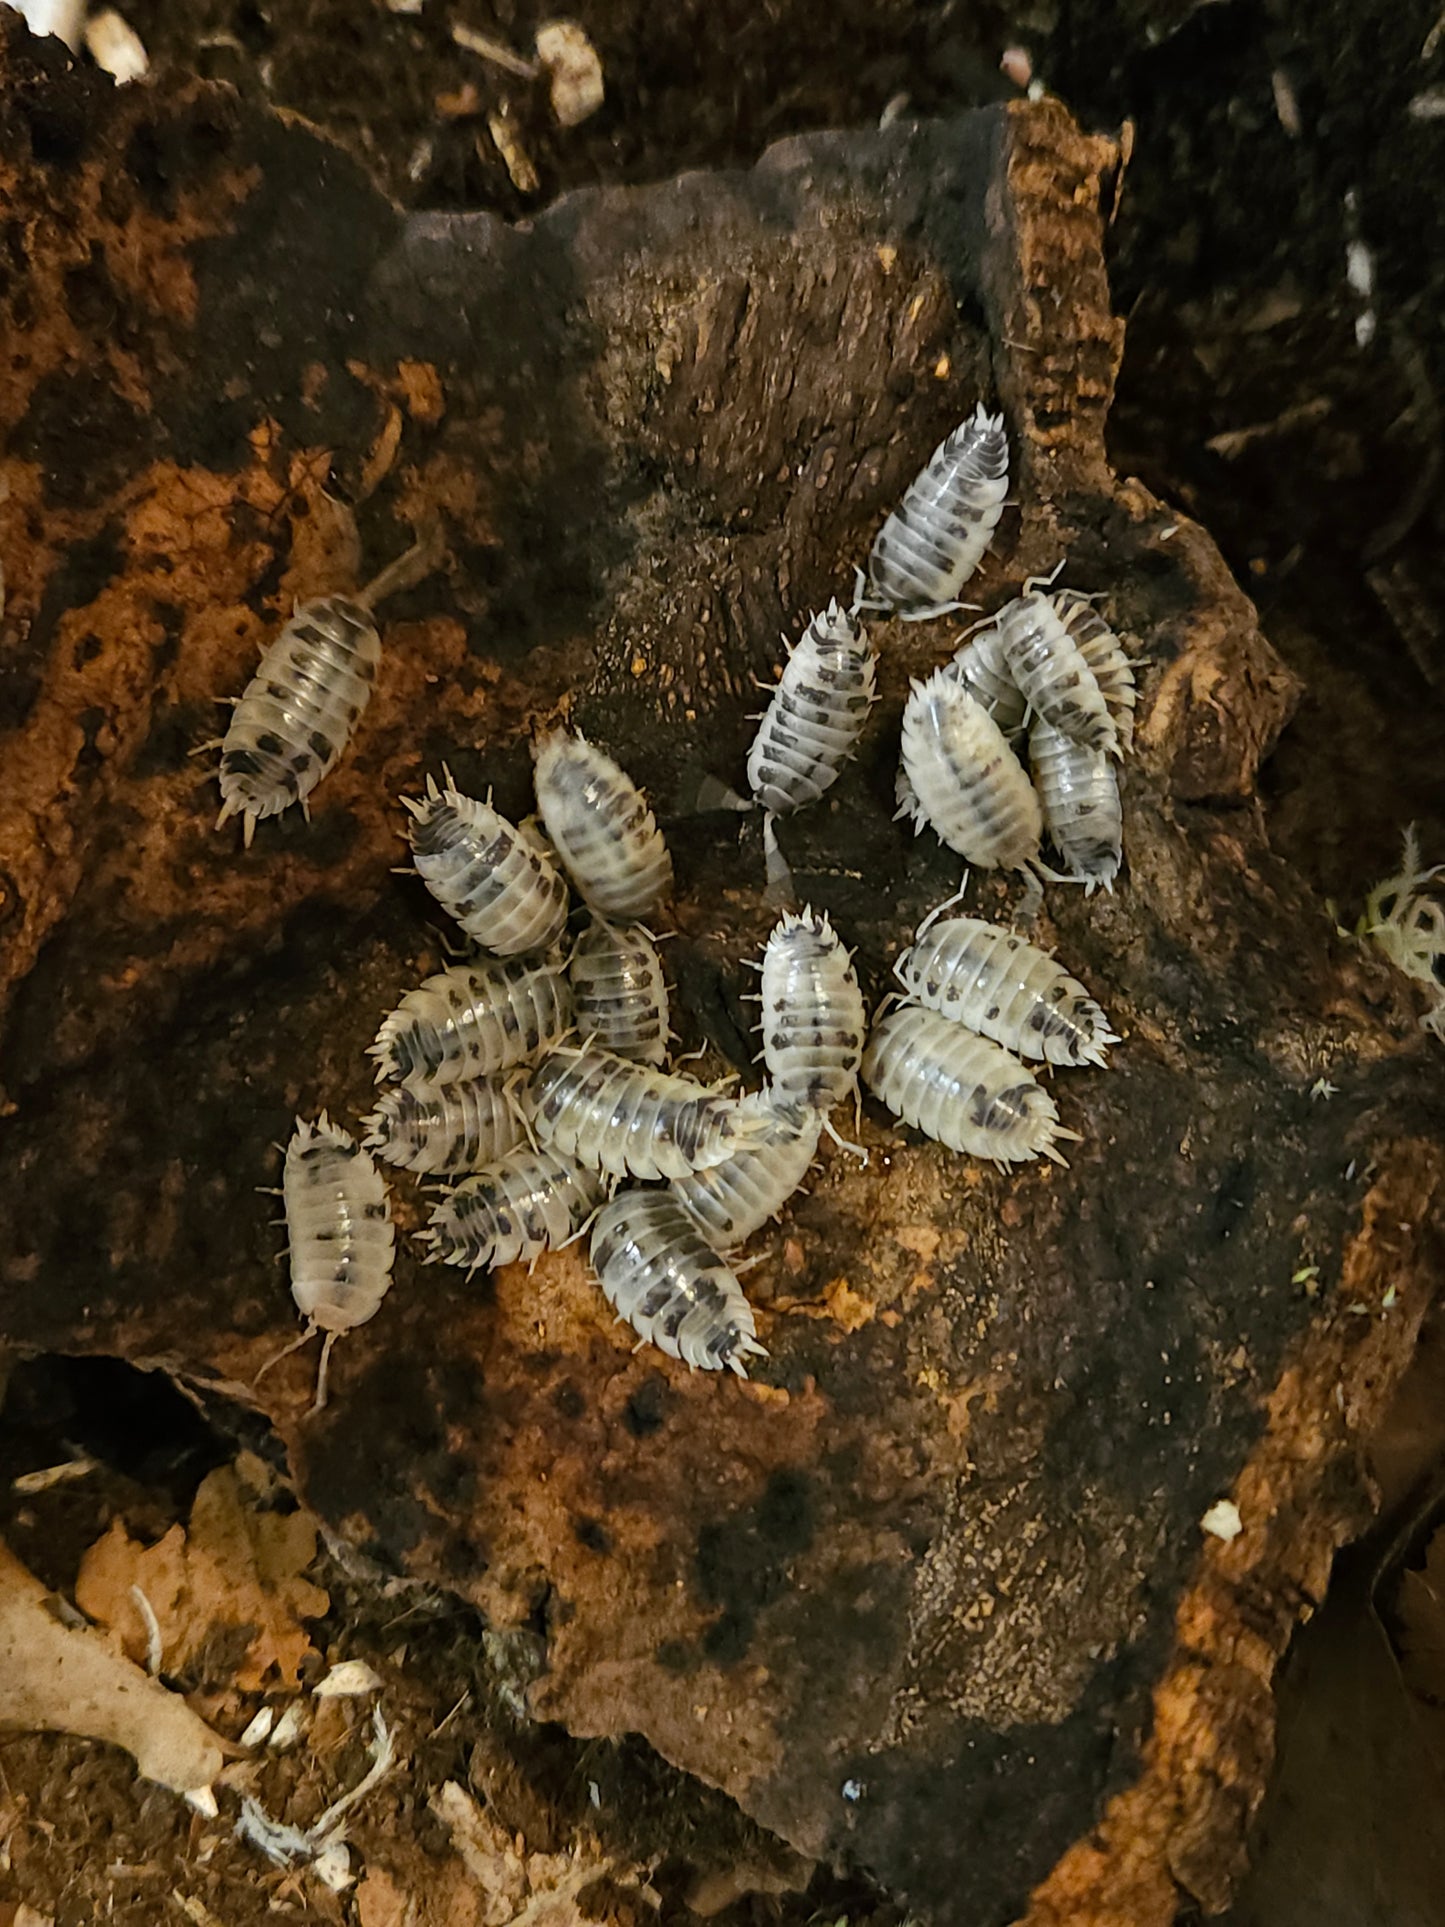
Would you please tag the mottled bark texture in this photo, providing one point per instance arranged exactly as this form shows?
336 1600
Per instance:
930 1592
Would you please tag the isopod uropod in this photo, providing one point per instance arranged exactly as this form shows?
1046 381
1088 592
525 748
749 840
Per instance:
485 873
472 1020
338 1222
1078 794
459 1127
619 992
602 829
934 540
730 1201
966 781
976 974
524 1204
813 721
659 1273
631 1120
1050 670
813 1020
960 1089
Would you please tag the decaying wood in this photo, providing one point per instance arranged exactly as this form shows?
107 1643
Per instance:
930 1593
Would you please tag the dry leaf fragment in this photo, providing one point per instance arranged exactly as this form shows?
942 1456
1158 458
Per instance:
233 1567
574 69
65 1679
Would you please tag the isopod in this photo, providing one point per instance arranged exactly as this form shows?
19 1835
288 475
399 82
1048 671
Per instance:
484 873
459 1127
472 1020
1104 653
338 1223
934 540
619 992
524 1204
732 1200
967 782
631 1120
1050 670
602 829
960 1089
979 666
299 710
976 974
660 1274
813 721
813 1020
1079 795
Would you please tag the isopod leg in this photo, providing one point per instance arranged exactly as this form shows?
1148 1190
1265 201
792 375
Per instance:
843 1143
286 1351
958 896
321 1371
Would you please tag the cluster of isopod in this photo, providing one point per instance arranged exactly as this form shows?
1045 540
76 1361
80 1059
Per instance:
531 1078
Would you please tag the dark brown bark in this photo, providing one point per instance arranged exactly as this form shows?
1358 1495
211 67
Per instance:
944 1550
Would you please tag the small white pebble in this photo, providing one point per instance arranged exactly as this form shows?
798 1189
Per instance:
594 1793
1223 1520
346 1681
575 70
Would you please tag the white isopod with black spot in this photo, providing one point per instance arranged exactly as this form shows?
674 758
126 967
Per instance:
338 1222
976 974
1078 792
812 724
473 1020
1104 653
1051 672
732 1200
967 784
631 1120
935 539
813 1020
660 1274
601 827
484 872
977 666
960 1089
619 992
458 1128
298 711
523 1204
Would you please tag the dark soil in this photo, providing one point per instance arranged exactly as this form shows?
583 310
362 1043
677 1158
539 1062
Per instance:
1269 138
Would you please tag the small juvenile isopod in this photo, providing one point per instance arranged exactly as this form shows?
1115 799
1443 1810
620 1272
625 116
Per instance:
966 781
1104 653
813 1020
1079 794
619 992
934 540
813 721
472 1020
524 1204
732 1200
994 982
660 1274
1050 670
459 1127
484 873
338 1223
631 1120
299 709
602 829
960 1089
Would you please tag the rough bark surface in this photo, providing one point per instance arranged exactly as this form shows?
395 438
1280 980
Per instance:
929 1593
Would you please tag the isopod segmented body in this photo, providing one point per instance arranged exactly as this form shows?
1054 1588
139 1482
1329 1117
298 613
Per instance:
484 873
661 1275
619 992
1104 653
473 1020
813 1020
813 721
1050 670
631 1120
458 1128
976 974
524 1204
732 1200
338 1223
298 710
601 827
966 781
960 1089
934 540
1079 794
979 666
